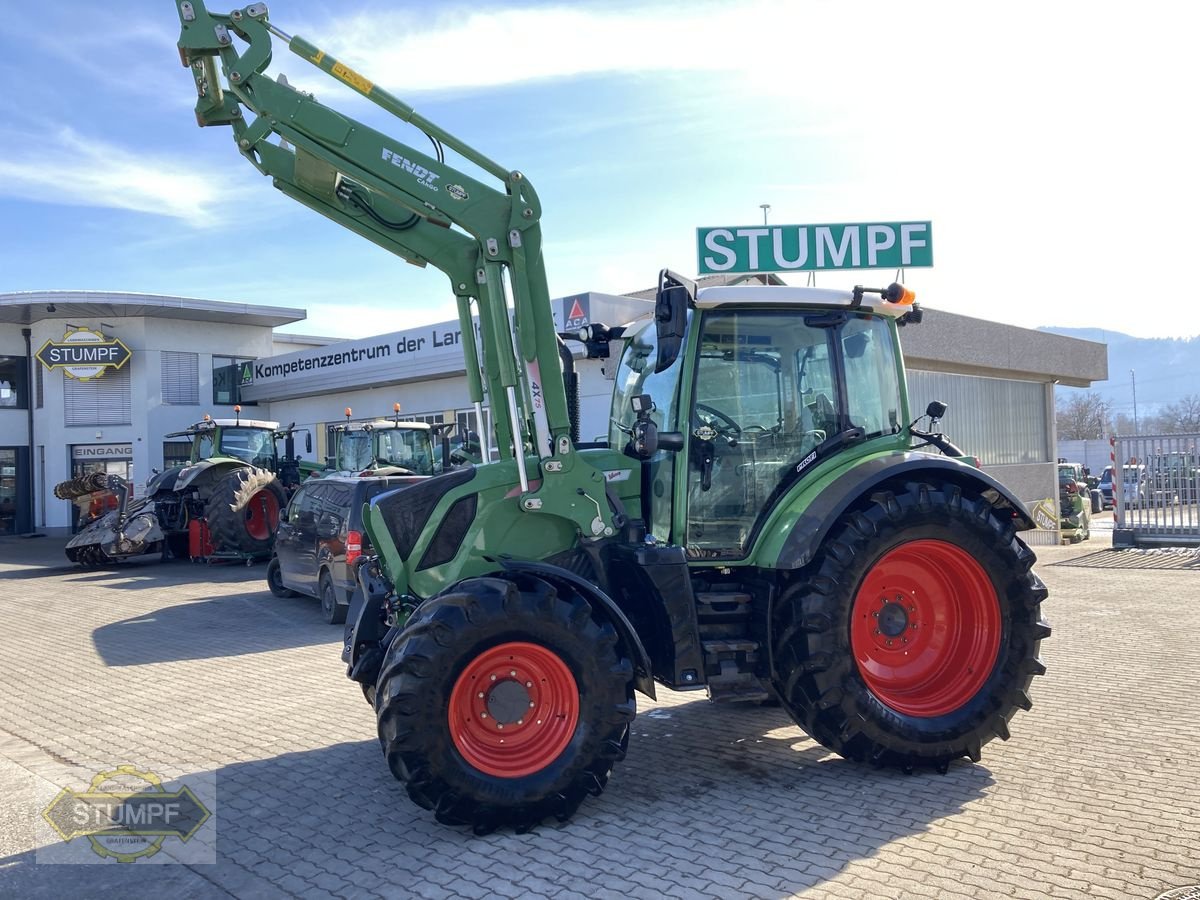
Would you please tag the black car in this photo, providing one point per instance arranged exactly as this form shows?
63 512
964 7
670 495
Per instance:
321 540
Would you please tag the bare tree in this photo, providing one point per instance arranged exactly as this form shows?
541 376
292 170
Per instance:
1182 417
1082 416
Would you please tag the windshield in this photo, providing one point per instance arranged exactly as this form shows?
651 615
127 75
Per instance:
636 376
408 448
253 445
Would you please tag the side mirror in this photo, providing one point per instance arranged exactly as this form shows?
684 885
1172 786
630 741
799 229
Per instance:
670 315
308 442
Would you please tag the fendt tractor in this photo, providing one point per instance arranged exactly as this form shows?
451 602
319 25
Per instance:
228 494
389 447
764 520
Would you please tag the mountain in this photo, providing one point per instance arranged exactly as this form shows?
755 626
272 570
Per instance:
1165 369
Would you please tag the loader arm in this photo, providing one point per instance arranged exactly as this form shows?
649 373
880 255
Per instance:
486 238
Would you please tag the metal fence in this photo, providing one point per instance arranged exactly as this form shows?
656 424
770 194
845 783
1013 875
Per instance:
1156 490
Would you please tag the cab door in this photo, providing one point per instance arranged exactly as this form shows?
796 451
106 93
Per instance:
763 398
773 394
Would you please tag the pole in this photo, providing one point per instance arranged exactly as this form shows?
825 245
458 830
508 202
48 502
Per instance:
1133 381
765 207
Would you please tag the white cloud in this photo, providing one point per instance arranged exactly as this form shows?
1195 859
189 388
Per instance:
66 167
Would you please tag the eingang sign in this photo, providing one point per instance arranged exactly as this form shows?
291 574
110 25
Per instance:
83 354
785 248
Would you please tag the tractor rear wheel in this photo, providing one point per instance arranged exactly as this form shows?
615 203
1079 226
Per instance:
914 636
243 510
504 701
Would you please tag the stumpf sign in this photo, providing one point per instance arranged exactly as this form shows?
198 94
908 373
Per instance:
784 248
83 354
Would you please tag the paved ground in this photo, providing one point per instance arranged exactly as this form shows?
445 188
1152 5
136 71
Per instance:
200 670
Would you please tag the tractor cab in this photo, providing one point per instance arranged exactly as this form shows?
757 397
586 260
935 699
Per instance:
768 384
389 447
249 440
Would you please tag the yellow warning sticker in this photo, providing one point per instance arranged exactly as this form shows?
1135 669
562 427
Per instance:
352 78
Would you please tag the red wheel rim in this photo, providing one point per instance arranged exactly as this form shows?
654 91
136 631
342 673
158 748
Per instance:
513 710
262 515
925 628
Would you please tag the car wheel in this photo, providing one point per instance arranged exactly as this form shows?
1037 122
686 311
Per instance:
275 580
334 612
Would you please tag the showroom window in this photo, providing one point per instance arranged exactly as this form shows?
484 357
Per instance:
227 372
14 386
180 378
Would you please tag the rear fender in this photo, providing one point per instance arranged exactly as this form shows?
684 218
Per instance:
793 538
205 473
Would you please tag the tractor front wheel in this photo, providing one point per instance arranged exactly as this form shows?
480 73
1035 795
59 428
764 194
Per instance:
504 701
914 636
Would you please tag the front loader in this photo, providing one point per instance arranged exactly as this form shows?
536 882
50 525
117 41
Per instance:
764 520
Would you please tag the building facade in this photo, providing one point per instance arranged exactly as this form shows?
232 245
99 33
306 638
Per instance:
171 363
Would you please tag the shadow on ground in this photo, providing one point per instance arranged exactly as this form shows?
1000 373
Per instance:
211 627
712 795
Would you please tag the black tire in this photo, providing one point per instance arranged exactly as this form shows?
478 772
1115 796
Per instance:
820 615
334 612
243 510
449 636
275 580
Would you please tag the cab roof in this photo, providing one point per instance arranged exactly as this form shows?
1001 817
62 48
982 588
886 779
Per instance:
789 295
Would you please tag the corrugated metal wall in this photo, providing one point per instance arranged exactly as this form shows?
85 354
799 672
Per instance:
1001 421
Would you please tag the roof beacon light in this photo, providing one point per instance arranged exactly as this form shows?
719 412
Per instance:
899 294
237 411
396 412
349 412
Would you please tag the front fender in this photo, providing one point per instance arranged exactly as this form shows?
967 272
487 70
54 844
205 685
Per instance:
626 634
797 531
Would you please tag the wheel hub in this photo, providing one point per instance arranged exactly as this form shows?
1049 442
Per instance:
893 618
508 702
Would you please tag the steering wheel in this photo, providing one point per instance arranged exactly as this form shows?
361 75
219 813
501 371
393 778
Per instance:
733 427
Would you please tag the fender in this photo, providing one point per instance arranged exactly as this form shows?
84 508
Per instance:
810 527
642 678
206 469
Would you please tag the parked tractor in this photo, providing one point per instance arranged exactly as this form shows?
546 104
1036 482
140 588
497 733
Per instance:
765 520
228 494
389 447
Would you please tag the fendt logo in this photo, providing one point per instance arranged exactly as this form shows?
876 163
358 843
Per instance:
422 174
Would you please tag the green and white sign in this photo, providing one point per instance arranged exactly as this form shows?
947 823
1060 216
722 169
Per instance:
786 248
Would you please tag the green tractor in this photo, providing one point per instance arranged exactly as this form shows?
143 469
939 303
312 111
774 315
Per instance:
764 520
233 487
388 447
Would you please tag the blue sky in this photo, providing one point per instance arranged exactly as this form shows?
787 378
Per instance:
1048 143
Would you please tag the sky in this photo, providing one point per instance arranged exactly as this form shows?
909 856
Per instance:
1050 145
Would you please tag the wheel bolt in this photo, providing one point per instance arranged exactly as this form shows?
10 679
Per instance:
531 704
512 673
539 721
529 684
889 642
493 678
876 631
499 724
483 715
520 721
481 695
